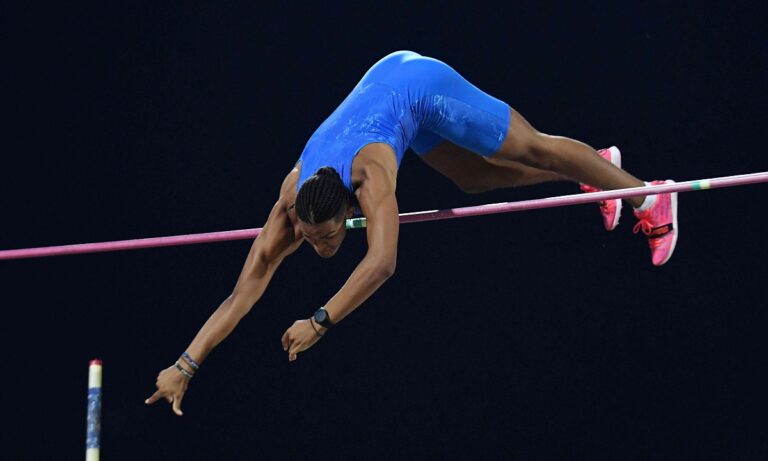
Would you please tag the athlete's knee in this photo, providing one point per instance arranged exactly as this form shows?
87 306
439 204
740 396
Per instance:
527 145
539 151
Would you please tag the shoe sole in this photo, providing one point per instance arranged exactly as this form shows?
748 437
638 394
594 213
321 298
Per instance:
616 160
674 224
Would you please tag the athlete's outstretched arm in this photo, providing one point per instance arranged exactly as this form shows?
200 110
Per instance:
379 205
276 241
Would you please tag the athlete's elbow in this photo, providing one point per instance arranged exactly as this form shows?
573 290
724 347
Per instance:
386 269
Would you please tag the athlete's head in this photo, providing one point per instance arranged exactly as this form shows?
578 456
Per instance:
322 205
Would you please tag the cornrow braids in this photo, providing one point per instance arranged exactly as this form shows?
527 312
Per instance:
322 196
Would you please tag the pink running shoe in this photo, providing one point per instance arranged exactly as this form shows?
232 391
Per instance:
659 223
610 209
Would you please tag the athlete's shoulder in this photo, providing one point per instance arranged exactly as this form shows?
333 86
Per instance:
286 202
291 179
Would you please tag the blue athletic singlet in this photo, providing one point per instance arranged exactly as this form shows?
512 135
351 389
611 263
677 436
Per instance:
406 100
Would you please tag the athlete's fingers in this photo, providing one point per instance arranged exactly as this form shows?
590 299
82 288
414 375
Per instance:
153 398
177 404
296 347
285 341
169 398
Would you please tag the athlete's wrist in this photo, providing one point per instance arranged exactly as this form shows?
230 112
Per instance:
319 329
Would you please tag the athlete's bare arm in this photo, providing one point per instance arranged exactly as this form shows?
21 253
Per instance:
278 239
376 196
378 203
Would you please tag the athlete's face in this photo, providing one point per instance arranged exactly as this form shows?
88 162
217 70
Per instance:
325 237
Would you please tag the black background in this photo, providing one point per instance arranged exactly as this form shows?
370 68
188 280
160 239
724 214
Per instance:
532 335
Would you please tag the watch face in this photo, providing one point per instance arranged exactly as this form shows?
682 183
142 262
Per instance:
321 316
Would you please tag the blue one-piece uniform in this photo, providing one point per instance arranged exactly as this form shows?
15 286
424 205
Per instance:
406 100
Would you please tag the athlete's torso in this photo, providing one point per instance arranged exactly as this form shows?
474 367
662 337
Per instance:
380 109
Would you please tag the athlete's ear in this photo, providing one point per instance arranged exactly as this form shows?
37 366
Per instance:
350 212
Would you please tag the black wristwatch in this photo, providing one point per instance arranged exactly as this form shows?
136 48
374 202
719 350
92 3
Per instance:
321 317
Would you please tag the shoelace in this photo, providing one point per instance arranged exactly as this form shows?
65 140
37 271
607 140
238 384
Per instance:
644 224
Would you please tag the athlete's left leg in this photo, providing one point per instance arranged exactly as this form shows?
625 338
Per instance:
564 156
474 174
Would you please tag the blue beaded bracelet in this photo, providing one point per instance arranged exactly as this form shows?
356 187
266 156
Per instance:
190 361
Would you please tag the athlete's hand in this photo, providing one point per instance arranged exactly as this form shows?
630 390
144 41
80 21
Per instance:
171 385
300 337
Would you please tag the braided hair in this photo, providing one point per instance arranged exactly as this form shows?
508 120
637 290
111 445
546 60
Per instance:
322 196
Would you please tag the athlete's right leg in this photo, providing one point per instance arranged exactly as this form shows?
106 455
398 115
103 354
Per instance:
526 145
454 109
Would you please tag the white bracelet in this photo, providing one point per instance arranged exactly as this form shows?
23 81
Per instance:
183 371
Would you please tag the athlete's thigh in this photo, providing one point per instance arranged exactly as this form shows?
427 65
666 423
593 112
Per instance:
460 164
453 161
464 164
520 140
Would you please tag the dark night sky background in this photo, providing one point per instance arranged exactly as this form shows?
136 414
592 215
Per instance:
535 335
